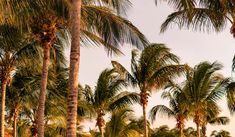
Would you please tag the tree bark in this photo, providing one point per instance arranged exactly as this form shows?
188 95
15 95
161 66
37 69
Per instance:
145 121
180 123
204 130
74 69
198 130
43 90
16 114
144 102
100 122
3 96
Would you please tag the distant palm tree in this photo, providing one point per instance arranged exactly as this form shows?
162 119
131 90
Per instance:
120 124
202 89
107 96
213 119
221 133
153 70
176 111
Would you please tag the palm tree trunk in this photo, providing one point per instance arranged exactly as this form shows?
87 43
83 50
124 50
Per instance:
145 121
180 122
100 122
16 114
144 101
43 90
181 131
204 130
74 69
198 130
101 131
3 96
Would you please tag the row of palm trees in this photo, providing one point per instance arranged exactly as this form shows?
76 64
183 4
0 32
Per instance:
32 34
90 23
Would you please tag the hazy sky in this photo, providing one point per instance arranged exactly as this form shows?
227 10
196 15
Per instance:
191 47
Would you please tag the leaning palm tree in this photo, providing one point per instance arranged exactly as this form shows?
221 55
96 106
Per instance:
202 89
176 111
153 70
107 96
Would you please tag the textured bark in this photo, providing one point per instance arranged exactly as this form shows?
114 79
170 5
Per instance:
180 121
204 130
198 130
43 90
74 69
100 122
145 121
15 119
144 101
3 96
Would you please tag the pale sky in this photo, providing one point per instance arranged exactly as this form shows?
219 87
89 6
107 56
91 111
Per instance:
191 47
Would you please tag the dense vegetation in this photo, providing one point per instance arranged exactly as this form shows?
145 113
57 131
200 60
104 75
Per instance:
41 95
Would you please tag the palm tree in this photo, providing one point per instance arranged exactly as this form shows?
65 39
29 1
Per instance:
155 67
120 124
176 111
107 96
162 131
203 15
202 89
213 119
221 133
16 50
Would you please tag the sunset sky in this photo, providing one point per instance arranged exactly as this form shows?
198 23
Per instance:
192 47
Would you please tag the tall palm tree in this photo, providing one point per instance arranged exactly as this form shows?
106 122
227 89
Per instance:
15 51
153 70
202 89
176 111
107 96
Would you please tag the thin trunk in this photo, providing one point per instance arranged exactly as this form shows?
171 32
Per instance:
100 122
180 124
181 131
204 130
16 114
3 96
101 131
145 120
198 130
74 69
43 90
144 102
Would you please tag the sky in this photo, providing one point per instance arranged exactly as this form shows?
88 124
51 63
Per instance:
192 48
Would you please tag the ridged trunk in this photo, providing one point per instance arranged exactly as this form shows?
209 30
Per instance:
204 130
198 130
144 102
100 122
3 96
43 90
101 129
75 17
180 122
15 120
